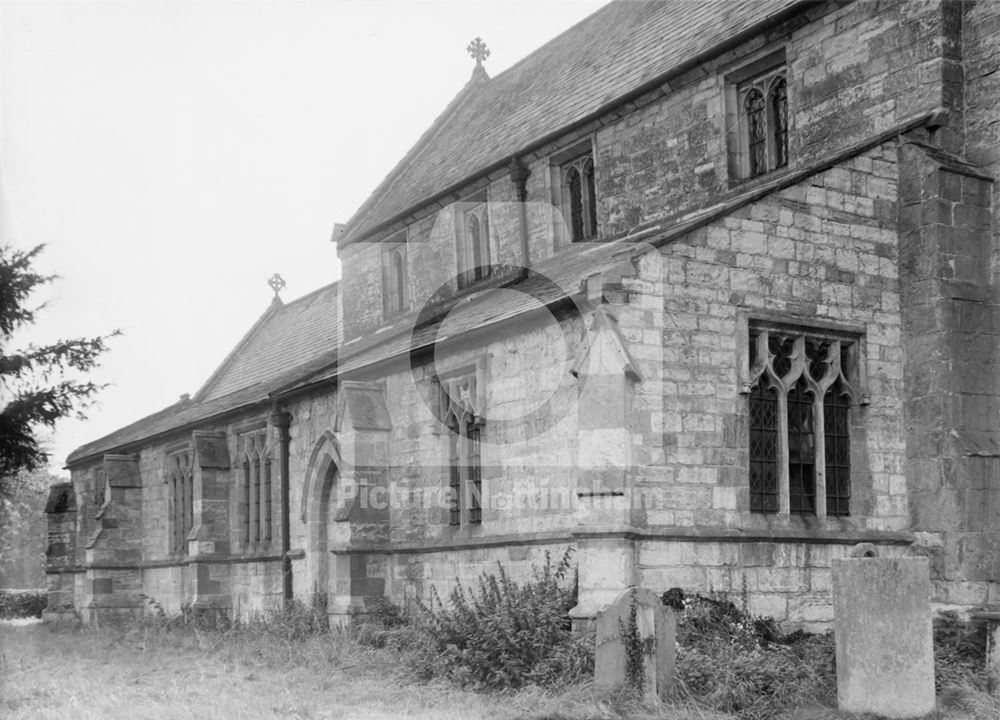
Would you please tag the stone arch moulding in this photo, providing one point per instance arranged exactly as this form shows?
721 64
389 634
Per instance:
325 453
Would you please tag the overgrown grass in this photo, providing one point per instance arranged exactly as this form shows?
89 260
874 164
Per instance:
733 662
508 641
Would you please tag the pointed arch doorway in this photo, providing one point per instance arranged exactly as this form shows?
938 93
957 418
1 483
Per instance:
319 499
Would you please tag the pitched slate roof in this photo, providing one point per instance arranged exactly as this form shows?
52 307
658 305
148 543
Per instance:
284 335
287 342
588 69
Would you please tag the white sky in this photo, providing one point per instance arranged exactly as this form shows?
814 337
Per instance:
173 155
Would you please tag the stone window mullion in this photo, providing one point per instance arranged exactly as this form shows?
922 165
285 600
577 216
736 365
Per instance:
820 459
784 503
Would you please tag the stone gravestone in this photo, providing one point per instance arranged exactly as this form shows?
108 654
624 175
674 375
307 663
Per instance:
638 619
882 629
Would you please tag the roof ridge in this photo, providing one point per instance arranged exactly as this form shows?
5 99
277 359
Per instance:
411 155
555 38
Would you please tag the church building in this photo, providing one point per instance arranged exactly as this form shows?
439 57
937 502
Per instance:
706 292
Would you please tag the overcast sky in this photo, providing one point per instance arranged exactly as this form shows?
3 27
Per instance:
173 155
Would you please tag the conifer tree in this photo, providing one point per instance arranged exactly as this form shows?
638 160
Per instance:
39 384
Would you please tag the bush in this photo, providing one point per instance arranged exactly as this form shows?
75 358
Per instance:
22 603
738 663
502 634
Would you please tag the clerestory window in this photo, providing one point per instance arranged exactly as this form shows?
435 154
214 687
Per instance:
757 111
395 292
474 244
799 404
579 197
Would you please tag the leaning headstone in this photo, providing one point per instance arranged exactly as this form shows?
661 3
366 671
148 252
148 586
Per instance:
882 629
636 643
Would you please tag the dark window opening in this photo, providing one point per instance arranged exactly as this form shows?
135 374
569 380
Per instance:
763 449
779 115
836 405
801 451
753 108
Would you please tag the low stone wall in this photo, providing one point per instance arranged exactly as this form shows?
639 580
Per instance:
416 572
789 581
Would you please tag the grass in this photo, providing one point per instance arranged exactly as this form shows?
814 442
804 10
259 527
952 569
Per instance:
163 670
149 672
442 661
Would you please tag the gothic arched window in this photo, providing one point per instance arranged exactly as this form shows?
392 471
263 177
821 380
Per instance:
579 198
255 481
180 486
464 453
395 297
799 401
759 141
474 246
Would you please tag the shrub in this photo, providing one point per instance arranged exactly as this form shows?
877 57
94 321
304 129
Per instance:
387 625
22 603
502 634
738 663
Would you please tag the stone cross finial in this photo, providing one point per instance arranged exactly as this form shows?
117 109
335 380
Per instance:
277 283
478 51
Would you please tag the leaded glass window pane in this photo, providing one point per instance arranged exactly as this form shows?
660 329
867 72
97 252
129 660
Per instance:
255 515
180 482
455 479
245 520
753 109
779 120
801 451
763 449
267 500
575 189
591 199
475 480
836 405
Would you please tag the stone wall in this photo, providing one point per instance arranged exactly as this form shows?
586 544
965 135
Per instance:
952 344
